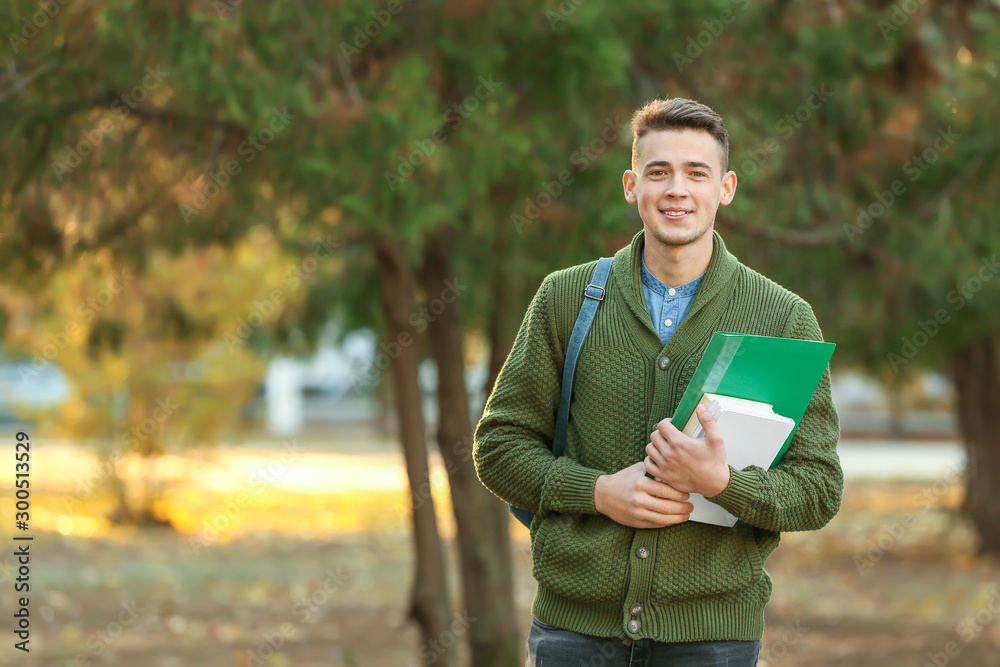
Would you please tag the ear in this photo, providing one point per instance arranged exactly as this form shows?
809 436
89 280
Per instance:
628 184
728 188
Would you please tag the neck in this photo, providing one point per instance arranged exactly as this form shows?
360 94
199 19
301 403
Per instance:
676 265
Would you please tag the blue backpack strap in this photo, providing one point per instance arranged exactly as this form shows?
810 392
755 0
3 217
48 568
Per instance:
593 295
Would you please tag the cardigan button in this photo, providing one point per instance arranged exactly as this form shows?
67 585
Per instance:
663 363
633 626
642 552
635 609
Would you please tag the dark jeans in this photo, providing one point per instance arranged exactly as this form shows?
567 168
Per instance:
549 646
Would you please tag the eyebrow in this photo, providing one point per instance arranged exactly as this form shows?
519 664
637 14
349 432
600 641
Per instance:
664 163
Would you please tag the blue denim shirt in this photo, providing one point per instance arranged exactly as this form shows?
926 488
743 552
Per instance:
667 305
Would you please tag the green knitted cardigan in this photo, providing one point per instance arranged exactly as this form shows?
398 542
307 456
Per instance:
693 581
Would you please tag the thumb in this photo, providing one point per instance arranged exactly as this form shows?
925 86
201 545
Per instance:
713 434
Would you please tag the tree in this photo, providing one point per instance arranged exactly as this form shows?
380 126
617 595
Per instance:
159 357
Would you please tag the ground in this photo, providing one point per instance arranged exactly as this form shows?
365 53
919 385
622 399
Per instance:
300 576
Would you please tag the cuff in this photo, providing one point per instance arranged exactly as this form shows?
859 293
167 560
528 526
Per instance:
743 488
570 488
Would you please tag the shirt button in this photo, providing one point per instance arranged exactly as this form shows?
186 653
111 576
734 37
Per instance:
663 363
635 609
633 626
642 552
671 291
668 322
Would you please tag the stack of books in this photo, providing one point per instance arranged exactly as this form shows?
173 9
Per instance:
753 434
758 389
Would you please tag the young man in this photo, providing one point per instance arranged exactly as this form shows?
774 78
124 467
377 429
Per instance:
622 574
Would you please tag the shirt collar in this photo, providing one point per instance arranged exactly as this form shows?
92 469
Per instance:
718 279
689 288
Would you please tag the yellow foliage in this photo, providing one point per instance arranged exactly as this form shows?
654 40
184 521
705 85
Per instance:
157 356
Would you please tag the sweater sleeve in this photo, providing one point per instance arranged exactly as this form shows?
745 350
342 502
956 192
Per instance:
512 449
803 491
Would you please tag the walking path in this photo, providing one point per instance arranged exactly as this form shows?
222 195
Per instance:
306 467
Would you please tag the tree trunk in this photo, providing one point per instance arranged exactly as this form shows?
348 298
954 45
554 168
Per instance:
480 517
893 384
385 412
134 501
500 341
429 604
136 496
976 374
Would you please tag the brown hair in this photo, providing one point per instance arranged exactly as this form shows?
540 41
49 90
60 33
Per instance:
678 113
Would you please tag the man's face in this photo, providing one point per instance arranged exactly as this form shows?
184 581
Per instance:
678 185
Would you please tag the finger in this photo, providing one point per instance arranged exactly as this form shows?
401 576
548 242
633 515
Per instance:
661 521
665 428
652 468
657 440
657 471
646 484
653 518
665 450
662 490
656 455
674 507
674 519
712 431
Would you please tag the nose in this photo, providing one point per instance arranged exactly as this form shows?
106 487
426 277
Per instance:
675 186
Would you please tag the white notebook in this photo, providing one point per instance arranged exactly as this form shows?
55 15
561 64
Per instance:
753 434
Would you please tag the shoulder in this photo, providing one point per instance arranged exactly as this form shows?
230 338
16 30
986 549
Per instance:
571 276
564 287
759 282
561 295
754 289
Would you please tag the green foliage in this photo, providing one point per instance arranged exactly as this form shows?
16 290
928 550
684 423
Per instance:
463 115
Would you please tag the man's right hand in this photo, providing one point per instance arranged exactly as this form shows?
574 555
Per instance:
632 499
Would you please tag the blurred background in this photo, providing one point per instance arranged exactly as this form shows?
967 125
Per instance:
261 263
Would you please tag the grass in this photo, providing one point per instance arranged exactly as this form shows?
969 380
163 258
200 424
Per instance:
314 568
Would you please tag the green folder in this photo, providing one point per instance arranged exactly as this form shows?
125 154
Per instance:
781 371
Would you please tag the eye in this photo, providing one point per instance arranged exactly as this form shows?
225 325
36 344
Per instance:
699 173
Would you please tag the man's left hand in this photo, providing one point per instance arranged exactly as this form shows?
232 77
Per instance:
695 465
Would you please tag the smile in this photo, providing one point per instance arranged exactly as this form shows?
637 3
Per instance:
675 214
